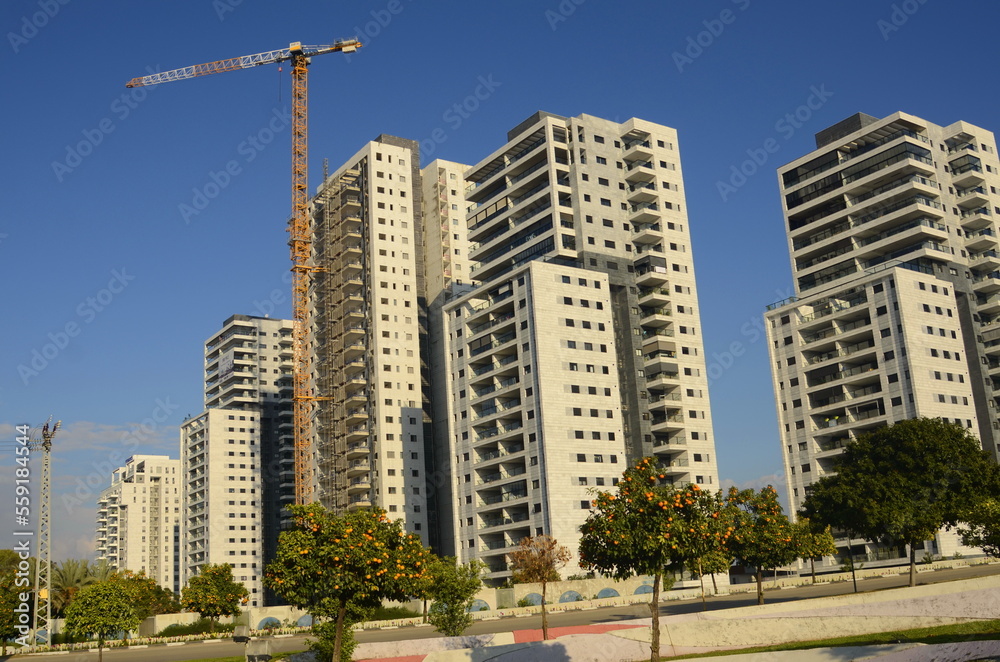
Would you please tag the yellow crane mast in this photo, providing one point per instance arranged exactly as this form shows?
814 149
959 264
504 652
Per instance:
299 226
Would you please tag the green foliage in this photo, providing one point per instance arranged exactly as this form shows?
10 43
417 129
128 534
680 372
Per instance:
391 613
68 578
525 602
762 535
904 482
9 597
148 597
812 541
330 565
325 645
101 611
213 593
981 526
648 527
201 626
453 592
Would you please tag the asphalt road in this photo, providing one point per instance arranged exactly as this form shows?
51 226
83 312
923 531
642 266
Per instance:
201 650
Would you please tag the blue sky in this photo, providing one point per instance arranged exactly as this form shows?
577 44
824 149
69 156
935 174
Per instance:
116 288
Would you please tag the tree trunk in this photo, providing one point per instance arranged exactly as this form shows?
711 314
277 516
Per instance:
913 564
425 610
654 610
211 625
701 578
760 586
850 557
545 617
100 650
338 639
812 563
715 587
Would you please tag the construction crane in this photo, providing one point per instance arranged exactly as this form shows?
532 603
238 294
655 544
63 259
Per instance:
42 615
299 225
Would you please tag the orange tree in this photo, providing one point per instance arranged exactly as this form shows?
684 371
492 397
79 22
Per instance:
212 593
335 566
148 597
707 523
642 530
762 535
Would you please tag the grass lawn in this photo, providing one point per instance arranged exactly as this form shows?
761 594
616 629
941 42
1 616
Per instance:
942 634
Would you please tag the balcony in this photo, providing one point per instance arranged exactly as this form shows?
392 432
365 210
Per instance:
637 149
639 171
977 218
989 305
642 192
644 212
651 277
497 342
655 317
654 296
981 240
649 234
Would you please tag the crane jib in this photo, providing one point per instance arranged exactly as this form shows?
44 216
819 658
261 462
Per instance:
244 62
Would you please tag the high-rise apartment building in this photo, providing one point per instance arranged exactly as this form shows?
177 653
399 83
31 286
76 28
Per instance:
580 349
447 270
892 233
138 519
368 319
237 457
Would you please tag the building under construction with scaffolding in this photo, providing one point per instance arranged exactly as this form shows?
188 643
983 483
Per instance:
368 322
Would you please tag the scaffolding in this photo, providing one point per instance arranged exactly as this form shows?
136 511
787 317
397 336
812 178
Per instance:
341 330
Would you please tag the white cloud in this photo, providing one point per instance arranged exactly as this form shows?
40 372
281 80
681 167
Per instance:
84 456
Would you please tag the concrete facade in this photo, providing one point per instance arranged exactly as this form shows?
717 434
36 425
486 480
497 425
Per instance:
892 232
369 318
138 519
237 456
589 211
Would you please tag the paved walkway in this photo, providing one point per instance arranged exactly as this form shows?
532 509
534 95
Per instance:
627 641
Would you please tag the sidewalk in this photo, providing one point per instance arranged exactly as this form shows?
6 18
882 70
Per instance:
626 641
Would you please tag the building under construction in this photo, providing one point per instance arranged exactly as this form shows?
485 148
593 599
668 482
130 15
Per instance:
368 323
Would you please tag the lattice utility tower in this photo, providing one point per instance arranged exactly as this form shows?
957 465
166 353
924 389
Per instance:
42 617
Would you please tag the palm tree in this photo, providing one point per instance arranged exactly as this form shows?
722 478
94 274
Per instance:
102 570
67 578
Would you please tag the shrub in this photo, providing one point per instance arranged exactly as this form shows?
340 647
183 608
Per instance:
391 613
201 626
